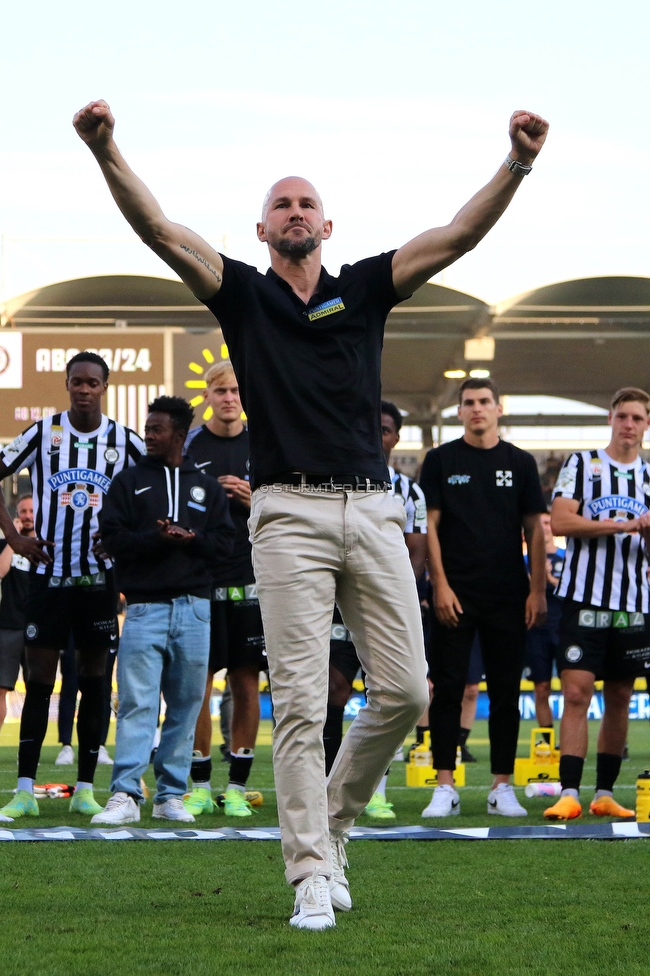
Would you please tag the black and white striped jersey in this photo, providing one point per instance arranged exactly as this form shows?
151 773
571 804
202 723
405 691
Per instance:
610 571
71 472
414 502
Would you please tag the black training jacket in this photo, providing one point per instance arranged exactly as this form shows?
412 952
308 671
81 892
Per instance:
148 567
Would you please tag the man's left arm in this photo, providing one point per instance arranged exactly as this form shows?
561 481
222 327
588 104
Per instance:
429 253
536 602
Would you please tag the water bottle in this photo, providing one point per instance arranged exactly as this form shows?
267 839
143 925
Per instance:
543 789
643 797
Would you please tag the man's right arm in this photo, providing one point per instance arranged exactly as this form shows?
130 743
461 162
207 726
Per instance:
566 521
192 258
445 602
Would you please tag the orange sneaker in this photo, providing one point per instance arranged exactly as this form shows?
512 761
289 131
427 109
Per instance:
607 806
566 808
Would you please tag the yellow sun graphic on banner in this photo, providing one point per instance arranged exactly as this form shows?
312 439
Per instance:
201 384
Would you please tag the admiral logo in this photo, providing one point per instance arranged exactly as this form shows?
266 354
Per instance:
458 479
327 308
81 475
616 503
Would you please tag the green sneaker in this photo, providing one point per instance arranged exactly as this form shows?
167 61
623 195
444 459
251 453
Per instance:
199 801
22 805
84 802
379 808
235 804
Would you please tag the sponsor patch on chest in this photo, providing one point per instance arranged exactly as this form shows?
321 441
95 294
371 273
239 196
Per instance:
326 308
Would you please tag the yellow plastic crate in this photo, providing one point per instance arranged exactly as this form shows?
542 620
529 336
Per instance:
543 763
427 776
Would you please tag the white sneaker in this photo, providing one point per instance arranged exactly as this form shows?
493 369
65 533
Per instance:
503 801
120 809
65 757
338 884
172 809
313 906
103 757
445 802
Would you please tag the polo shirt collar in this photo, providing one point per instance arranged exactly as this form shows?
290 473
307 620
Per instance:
325 280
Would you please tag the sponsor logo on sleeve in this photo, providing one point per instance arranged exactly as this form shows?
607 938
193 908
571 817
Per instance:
566 481
16 447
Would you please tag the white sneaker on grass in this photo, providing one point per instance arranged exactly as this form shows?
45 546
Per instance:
338 884
445 802
172 809
103 758
313 906
65 757
120 809
503 801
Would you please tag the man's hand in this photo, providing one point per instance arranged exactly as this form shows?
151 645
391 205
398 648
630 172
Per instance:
236 488
94 124
643 526
527 134
31 548
535 610
98 550
175 533
446 605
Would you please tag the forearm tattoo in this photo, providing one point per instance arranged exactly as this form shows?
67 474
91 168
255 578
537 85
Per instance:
201 260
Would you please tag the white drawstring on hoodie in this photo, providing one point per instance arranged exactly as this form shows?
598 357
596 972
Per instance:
173 497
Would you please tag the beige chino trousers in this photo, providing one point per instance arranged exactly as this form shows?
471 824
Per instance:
310 549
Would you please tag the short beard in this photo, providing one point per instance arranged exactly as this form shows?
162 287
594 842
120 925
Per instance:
300 248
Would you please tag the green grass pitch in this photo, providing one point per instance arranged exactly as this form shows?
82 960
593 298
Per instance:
200 907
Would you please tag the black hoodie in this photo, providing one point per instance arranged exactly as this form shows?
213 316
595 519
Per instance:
149 567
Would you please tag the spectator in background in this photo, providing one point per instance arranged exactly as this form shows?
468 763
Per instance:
14 573
164 524
600 504
72 457
220 448
480 492
543 642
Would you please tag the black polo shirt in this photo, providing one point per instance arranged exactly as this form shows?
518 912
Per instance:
309 374
482 495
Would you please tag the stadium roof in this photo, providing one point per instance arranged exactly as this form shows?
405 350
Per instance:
579 339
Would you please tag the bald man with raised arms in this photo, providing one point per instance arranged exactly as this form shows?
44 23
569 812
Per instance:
306 347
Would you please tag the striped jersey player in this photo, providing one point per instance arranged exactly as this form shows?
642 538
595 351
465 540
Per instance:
72 458
600 504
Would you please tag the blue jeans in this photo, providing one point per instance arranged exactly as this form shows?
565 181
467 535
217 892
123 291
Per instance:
164 647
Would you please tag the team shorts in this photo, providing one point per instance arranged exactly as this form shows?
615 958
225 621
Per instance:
12 645
612 644
236 633
84 607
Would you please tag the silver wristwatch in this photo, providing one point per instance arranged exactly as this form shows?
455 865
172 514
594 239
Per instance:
516 167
